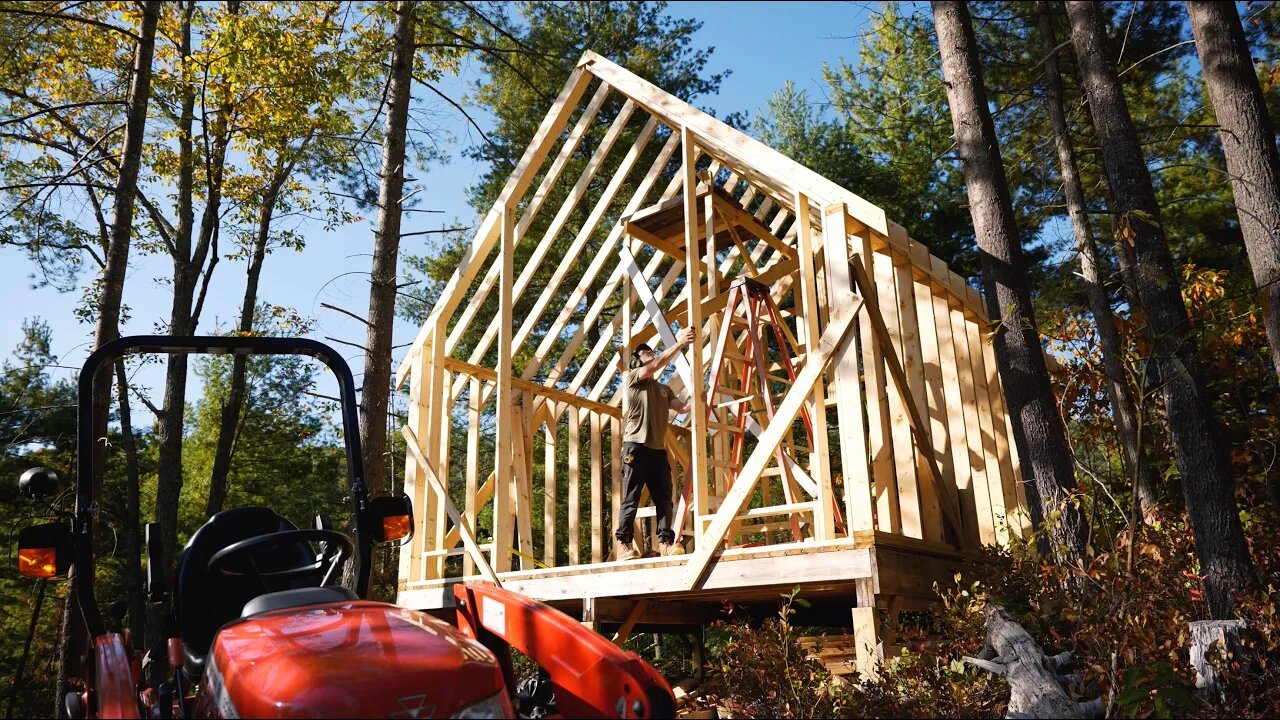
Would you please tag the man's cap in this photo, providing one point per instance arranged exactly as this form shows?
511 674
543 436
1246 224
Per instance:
635 355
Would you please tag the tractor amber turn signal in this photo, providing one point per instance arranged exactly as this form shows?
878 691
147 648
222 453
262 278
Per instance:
395 527
38 562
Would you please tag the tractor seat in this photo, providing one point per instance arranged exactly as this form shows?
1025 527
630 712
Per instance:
205 602
297 598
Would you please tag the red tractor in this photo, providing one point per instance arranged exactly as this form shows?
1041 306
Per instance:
261 626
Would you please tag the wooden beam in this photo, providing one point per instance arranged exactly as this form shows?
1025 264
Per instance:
697 470
708 542
736 214
575 493
503 513
904 463
490 228
549 181
847 379
757 162
549 519
473 503
819 458
468 540
933 396
951 505
415 485
550 393
629 624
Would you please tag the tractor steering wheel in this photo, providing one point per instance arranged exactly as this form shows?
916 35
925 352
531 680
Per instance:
337 548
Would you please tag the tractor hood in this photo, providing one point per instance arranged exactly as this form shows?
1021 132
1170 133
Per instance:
347 659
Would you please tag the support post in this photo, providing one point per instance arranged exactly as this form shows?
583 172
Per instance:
866 630
819 460
697 470
504 442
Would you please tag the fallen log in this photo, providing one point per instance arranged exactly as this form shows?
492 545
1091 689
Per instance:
1036 685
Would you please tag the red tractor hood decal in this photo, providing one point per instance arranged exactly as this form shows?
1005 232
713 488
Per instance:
347 659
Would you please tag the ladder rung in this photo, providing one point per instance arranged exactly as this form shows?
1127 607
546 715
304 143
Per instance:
731 391
724 427
734 354
717 463
779 378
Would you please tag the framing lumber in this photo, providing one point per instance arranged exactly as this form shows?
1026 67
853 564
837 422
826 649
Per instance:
504 443
819 458
468 540
696 472
490 227
709 541
951 505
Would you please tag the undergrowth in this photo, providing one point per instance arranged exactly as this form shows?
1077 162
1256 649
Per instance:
1123 613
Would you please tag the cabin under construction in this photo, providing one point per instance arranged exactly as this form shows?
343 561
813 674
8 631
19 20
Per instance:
847 434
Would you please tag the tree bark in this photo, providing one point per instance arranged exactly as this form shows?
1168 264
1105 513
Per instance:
1202 461
1249 144
386 250
230 418
1137 459
112 291
1037 428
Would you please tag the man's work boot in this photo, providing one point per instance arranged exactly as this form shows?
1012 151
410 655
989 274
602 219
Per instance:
669 548
625 551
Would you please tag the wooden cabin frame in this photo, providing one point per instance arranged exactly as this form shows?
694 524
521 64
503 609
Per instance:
911 466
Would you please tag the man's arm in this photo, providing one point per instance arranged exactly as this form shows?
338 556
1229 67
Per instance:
655 366
680 405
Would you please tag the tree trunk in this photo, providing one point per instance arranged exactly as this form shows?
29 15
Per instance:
1137 459
230 418
1037 428
1193 430
1249 144
188 265
112 291
386 250
132 514
172 415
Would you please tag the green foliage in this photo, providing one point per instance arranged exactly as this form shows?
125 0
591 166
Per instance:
37 428
287 455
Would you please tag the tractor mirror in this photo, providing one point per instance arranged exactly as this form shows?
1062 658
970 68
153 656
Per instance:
44 551
38 482
392 517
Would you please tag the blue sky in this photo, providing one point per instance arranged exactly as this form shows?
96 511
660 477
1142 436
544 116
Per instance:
764 43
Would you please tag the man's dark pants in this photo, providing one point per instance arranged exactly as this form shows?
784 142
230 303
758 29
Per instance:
645 467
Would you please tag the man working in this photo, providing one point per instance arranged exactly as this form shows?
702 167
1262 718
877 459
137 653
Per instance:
645 404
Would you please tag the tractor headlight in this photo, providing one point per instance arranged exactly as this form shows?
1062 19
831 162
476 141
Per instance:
495 706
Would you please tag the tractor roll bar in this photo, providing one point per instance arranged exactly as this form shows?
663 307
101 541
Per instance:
86 482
